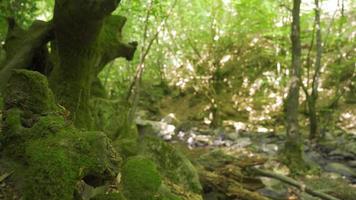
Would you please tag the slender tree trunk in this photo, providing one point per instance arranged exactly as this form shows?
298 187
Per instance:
313 120
294 144
217 89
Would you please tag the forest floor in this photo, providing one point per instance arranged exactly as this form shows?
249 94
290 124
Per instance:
332 161
222 154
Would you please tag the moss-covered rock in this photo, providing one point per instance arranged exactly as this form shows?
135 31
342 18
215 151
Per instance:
172 164
29 92
54 153
164 193
110 196
57 162
140 178
127 143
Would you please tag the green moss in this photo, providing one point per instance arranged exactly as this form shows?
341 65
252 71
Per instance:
127 139
16 136
140 178
48 125
126 147
28 91
164 193
57 162
110 196
13 121
55 154
338 188
51 174
292 155
172 164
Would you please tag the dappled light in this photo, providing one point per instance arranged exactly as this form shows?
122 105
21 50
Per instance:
178 100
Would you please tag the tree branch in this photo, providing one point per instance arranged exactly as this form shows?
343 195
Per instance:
135 85
290 181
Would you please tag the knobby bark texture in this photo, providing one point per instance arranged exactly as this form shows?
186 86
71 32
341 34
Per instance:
293 150
83 38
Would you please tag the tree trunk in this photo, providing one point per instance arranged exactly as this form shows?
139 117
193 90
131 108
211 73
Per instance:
216 104
313 120
294 145
84 45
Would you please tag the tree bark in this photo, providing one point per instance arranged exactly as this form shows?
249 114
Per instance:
293 150
85 40
313 120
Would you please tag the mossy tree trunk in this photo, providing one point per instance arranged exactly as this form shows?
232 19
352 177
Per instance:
84 37
83 47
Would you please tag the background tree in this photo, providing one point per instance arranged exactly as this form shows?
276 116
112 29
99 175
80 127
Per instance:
294 145
313 96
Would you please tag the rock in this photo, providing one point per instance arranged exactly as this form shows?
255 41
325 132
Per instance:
270 149
222 143
351 147
340 169
242 142
232 136
29 91
140 178
181 135
166 131
170 119
352 163
240 127
314 158
53 152
162 129
171 164
338 154
203 140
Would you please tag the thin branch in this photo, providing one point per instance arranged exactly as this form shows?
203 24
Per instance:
290 181
134 88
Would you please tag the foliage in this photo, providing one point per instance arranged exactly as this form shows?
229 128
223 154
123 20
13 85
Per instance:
222 51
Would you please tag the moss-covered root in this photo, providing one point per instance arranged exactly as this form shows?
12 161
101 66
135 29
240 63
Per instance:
140 178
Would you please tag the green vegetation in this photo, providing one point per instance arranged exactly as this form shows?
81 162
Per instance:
177 100
140 178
